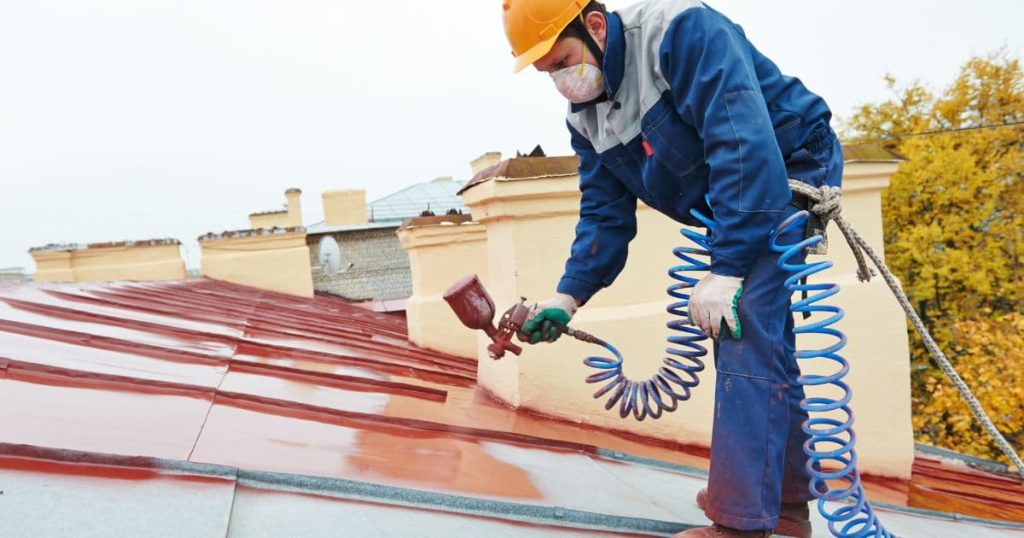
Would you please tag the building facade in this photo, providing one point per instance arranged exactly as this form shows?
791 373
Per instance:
355 252
373 264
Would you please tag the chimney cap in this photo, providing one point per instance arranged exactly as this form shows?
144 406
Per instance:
537 152
136 243
251 232
437 220
270 212
58 247
296 190
518 168
66 247
488 155
343 191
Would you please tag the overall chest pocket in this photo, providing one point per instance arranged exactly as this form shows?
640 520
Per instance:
672 152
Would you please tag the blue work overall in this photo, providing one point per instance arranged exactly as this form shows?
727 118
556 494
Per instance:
693 112
757 439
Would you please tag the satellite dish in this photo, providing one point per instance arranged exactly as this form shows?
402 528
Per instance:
329 254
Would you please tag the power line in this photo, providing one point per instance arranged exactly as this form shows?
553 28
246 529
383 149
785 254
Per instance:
956 130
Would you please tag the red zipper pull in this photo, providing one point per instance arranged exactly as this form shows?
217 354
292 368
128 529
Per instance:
648 149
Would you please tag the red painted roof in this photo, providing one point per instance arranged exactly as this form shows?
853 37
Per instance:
209 372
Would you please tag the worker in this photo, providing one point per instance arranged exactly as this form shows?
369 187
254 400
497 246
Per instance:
670 103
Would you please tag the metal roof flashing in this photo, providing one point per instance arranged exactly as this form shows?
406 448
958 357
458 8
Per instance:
525 168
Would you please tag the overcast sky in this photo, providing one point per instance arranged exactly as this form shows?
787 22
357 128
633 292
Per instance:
138 119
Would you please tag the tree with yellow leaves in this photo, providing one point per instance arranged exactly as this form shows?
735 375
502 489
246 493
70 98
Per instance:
954 234
991 352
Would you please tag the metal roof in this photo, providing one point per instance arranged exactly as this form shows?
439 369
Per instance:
321 228
201 408
869 153
438 196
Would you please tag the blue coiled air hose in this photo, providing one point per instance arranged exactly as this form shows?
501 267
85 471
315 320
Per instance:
831 439
830 447
663 391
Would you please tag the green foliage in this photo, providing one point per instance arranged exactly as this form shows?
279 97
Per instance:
954 226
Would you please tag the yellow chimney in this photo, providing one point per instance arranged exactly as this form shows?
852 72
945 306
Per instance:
343 207
485 161
294 197
281 218
268 219
441 249
53 263
271 259
153 259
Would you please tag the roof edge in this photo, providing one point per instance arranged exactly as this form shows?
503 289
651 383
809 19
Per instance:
971 461
395 495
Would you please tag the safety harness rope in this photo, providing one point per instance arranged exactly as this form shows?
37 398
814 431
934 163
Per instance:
826 204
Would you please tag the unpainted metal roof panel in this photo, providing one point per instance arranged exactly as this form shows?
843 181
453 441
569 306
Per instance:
272 514
44 499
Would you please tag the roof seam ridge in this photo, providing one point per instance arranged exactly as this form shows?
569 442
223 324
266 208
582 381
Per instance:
394 495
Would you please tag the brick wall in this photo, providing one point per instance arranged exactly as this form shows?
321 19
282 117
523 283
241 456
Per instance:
380 268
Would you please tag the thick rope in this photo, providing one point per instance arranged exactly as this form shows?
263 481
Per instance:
827 205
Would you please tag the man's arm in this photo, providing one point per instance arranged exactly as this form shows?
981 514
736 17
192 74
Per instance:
607 224
707 63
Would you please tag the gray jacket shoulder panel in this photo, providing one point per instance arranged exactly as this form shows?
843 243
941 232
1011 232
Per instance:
644 25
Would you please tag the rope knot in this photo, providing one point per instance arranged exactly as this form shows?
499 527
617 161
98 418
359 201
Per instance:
828 202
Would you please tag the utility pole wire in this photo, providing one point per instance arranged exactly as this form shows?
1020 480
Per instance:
956 130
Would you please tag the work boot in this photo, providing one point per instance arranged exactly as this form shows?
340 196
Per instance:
794 518
718 531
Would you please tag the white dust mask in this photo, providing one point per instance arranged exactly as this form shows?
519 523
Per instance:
579 83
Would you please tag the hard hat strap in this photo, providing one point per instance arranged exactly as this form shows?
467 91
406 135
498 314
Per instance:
578 27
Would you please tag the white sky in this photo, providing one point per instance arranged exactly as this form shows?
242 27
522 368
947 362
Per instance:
141 119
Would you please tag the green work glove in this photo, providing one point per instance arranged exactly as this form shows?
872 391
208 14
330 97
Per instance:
541 324
715 300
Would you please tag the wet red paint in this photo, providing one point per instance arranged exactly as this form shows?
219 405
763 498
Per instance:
212 372
49 410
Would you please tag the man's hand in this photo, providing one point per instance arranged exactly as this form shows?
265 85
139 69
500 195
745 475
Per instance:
715 300
540 324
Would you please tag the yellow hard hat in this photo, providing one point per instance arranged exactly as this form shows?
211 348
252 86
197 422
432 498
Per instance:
533 26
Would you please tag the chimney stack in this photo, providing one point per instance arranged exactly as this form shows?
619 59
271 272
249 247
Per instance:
345 207
294 197
485 161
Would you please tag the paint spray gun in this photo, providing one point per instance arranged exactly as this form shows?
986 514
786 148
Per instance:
475 310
